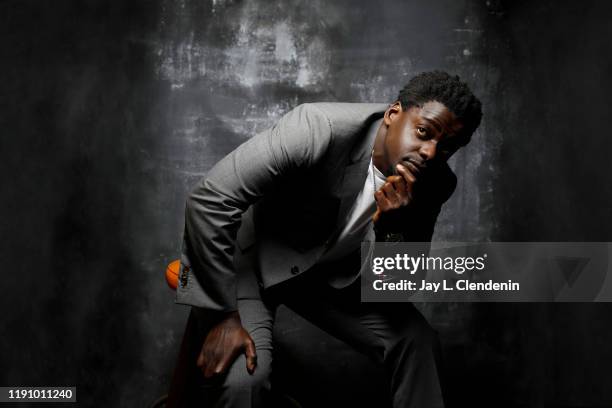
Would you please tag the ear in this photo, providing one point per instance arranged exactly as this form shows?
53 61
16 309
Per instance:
392 113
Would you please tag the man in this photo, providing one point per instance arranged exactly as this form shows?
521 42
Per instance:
281 219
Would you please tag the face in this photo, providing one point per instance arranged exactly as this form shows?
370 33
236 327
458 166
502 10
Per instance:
418 138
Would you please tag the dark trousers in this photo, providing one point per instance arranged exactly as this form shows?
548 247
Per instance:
394 334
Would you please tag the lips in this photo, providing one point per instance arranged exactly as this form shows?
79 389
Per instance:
414 166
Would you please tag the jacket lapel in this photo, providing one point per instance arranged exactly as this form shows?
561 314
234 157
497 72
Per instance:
356 171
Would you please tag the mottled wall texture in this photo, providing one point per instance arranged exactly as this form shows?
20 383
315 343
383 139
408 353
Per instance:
111 111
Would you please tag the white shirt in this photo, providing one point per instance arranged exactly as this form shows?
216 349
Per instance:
358 219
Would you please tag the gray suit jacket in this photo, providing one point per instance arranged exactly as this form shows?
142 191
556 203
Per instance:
280 196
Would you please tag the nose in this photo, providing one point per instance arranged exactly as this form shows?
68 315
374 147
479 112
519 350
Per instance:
428 150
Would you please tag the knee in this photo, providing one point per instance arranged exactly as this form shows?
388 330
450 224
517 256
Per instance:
419 337
239 385
239 380
238 388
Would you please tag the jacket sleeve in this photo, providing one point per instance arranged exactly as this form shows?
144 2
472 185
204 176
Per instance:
215 206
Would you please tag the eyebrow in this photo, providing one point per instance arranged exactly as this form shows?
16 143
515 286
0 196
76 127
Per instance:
447 132
433 123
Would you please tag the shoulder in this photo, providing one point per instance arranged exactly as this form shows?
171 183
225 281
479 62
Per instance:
346 117
337 119
305 118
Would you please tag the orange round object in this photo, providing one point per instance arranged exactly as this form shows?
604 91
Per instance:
172 273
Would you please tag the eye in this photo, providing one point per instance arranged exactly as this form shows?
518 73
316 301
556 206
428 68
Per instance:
421 131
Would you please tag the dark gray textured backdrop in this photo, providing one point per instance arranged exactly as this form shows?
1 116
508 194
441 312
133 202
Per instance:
110 111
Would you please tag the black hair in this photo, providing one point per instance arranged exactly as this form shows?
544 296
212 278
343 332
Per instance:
449 90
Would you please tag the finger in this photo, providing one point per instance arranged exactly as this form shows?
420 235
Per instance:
223 362
209 373
392 195
406 174
209 363
209 370
399 184
389 190
200 361
394 178
251 356
226 358
204 360
381 201
403 189
218 365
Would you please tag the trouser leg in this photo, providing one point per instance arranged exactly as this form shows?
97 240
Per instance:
237 388
395 334
411 353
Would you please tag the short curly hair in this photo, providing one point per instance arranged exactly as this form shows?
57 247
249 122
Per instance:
449 90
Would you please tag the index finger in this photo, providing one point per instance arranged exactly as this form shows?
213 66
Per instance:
399 183
406 174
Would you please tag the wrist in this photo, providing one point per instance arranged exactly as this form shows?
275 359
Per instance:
389 221
231 318
207 318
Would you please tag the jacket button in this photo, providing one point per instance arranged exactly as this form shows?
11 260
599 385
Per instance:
295 270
